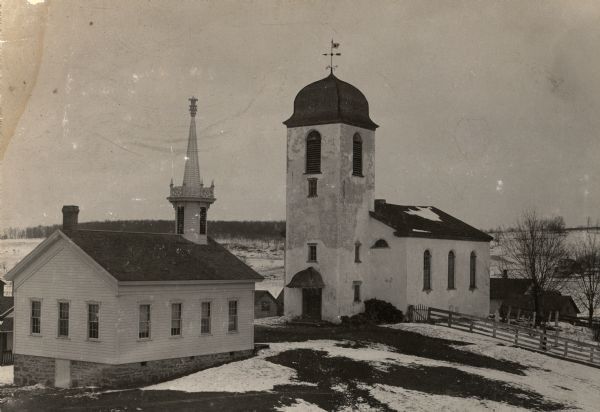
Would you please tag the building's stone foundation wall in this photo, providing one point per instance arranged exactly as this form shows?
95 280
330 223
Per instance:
30 370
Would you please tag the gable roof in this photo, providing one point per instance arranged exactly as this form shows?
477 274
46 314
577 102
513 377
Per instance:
548 302
144 257
259 294
425 221
502 288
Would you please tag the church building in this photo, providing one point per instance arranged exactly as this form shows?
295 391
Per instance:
103 308
343 246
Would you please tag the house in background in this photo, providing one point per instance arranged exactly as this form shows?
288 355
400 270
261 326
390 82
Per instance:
6 326
265 304
515 294
102 308
343 246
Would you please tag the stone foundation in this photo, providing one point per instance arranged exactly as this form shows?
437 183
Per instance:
30 370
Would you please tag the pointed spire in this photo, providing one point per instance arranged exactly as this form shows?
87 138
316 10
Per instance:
191 174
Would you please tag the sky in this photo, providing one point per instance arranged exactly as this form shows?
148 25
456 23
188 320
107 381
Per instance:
486 108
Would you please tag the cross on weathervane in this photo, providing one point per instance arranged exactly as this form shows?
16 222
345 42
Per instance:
331 67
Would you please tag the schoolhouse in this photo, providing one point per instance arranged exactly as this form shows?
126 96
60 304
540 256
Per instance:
342 245
116 308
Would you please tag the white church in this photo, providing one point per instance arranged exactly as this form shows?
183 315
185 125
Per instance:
344 247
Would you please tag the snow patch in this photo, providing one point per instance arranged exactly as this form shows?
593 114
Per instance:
301 406
421 231
425 213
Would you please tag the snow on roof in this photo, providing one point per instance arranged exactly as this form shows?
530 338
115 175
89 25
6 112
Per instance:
424 212
421 231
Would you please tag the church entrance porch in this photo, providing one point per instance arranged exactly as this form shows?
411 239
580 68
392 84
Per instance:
311 304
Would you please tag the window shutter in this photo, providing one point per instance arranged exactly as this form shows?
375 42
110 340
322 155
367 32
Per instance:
313 153
357 156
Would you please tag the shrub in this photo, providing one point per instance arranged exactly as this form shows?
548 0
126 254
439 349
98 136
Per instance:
376 312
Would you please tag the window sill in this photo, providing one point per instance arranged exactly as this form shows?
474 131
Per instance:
427 290
313 173
176 337
233 332
355 175
63 337
93 340
472 288
144 339
311 197
36 335
358 261
451 288
207 334
312 261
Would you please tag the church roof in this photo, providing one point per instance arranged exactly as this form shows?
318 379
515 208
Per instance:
131 256
307 278
425 221
330 100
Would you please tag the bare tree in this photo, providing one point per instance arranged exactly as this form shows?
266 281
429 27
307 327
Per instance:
585 285
535 247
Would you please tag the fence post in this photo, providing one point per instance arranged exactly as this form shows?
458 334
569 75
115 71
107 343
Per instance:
592 354
450 320
556 319
429 315
471 326
533 320
543 340
516 336
494 329
549 316
496 316
508 315
566 348
518 315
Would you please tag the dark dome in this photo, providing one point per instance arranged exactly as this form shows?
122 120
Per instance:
330 100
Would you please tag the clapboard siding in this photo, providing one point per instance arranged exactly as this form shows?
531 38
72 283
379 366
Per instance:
161 345
65 275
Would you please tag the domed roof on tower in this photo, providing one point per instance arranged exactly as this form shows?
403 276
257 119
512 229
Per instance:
330 100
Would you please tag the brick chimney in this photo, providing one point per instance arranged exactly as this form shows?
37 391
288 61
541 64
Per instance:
70 215
378 204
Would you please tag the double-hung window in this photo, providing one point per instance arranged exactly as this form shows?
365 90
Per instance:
93 321
205 318
233 316
63 319
36 317
175 319
144 322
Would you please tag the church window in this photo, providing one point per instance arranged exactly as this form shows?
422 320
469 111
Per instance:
357 155
312 252
144 322
63 319
473 271
312 187
175 319
357 252
202 220
36 317
451 264
313 153
380 244
356 287
180 216
427 270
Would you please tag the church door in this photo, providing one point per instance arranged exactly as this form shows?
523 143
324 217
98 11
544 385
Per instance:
311 303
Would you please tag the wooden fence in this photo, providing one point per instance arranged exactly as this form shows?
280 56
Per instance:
538 340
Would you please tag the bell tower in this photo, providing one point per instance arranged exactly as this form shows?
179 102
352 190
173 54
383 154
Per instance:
329 191
192 199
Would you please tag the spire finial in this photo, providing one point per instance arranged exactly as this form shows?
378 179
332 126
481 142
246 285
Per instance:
333 45
193 107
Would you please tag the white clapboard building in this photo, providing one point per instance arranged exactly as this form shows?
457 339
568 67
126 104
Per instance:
117 308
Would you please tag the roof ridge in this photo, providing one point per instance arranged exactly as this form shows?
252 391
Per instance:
125 231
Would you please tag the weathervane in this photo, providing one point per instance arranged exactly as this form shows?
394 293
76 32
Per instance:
331 67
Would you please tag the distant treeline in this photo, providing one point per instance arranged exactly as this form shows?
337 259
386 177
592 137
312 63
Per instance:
220 229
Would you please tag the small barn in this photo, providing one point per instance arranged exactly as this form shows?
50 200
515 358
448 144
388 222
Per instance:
265 305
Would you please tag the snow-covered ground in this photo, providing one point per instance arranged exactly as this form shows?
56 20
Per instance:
556 380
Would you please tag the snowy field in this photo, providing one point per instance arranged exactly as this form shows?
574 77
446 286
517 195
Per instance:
559 381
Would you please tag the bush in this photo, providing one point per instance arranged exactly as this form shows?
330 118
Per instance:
376 312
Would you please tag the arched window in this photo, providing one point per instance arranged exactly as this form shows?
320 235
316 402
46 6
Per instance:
357 155
202 220
427 270
473 271
313 152
451 259
357 252
379 244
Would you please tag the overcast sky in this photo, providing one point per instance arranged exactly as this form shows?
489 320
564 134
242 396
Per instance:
485 108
